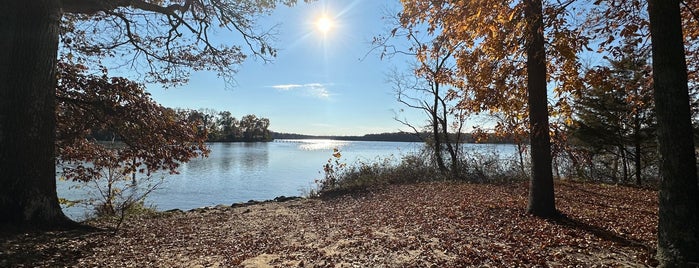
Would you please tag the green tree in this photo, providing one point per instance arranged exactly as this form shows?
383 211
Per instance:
254 128
166 39
228 125
616 113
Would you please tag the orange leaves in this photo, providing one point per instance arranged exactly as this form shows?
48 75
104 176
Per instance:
489 58
336 153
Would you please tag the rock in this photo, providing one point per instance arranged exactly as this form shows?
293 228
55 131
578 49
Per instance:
175 210
200 210
284 198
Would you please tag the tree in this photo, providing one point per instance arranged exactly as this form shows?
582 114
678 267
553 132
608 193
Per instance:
541 196
617 111
166 40
504 51
154 137
254 128
228 125
150 137
678 209
29 34
428 88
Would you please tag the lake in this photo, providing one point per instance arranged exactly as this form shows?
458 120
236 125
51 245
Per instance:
239 172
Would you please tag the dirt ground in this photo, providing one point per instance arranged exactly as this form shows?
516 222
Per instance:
439 224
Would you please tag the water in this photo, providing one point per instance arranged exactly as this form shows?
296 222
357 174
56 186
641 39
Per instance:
239 172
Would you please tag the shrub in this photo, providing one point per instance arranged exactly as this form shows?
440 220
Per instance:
339 177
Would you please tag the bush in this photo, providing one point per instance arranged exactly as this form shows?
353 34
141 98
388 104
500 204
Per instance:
491 167
339 177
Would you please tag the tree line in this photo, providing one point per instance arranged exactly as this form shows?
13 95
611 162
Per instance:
224 127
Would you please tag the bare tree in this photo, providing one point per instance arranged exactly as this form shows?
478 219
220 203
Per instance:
429 89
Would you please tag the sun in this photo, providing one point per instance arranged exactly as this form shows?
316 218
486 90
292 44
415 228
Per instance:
324 24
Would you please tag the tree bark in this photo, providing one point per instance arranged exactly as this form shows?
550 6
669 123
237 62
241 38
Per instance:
541 195
29 32
678 208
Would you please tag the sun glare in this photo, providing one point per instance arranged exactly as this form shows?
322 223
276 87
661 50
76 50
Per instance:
324 24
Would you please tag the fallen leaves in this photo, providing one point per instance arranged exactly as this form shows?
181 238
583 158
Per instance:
425 224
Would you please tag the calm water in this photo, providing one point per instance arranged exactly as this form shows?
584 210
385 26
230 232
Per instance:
238 172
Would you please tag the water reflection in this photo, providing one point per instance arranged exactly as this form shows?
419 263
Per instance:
238 172
313 145
227 158
254 155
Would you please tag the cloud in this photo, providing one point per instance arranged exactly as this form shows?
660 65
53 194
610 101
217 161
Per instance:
317 90
286 87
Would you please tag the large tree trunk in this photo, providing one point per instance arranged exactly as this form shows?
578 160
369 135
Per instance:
29 33
541 195
678 209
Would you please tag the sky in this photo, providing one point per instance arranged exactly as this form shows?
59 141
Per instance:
320 83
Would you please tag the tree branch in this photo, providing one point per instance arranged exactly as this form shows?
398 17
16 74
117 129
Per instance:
93 6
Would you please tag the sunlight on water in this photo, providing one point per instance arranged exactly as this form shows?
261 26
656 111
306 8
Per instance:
314 145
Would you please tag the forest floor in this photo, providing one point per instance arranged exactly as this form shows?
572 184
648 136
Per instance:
437 224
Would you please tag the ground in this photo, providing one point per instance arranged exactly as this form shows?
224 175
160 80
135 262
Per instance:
436 224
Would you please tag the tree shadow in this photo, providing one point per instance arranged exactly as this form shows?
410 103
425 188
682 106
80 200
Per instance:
626 199
62 248
607 235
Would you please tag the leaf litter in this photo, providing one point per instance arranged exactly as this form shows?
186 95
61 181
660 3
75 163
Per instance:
436 224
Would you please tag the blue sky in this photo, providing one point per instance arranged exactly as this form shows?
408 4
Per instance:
319 84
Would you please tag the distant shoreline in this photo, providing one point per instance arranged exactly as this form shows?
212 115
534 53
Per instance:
394 136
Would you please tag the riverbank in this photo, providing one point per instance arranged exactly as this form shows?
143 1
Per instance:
440 223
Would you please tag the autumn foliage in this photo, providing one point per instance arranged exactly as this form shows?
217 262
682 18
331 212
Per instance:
150 137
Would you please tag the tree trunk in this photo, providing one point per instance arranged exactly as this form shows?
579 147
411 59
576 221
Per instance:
451 144
541 195
624 163
678 231
436 132
637 148
29 32
520 153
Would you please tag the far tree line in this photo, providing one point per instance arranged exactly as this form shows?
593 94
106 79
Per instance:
215 126
224 127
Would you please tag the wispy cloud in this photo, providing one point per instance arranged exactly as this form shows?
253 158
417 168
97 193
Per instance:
286 87
317 90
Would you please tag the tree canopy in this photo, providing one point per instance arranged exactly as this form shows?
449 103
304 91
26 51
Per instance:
154 137
161 41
